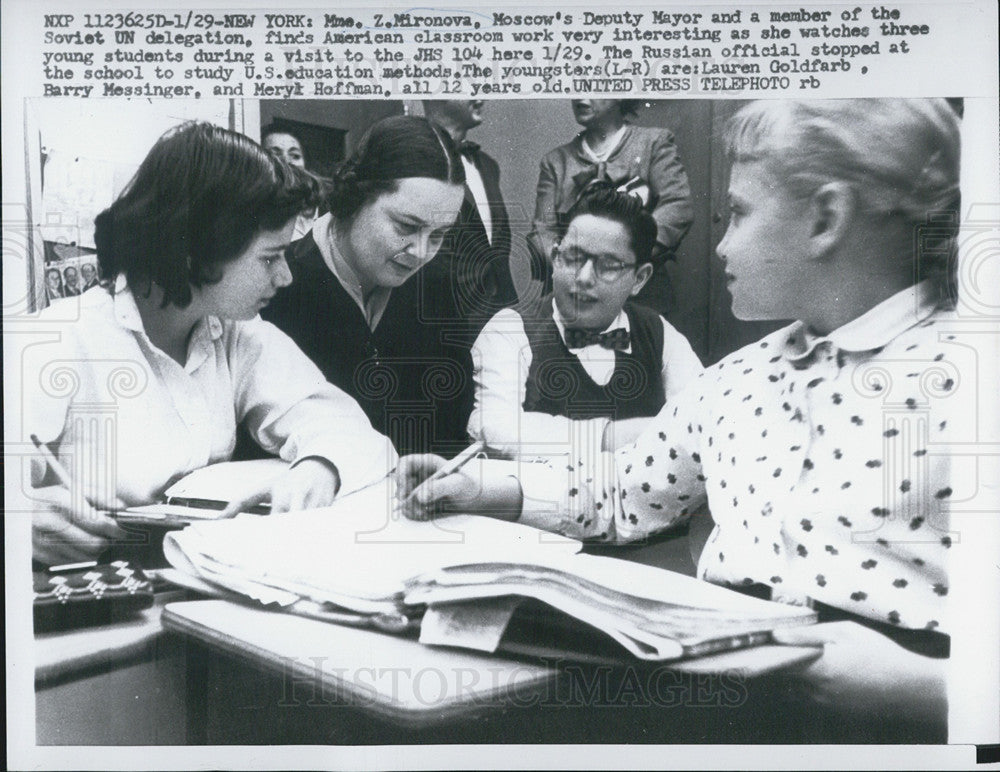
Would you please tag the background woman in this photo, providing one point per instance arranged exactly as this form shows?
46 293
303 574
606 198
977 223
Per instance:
356 305
282 144
639 160
195 246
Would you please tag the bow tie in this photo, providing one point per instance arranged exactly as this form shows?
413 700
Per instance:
468 148
616 340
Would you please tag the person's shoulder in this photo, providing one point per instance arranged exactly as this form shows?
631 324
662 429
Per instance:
767 349
241 335
84 326
645 313
506 318
650 135
303 255
487 161
95 306
559 155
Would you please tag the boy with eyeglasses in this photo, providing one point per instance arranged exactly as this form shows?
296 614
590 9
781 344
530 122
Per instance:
585 353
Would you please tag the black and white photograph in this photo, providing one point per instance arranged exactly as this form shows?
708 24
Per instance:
437 428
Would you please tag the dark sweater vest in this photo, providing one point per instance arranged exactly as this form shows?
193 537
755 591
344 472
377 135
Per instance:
558 384
412 375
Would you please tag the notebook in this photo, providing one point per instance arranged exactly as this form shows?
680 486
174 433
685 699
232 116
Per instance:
205 493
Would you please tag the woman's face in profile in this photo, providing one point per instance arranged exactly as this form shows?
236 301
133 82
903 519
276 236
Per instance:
392 237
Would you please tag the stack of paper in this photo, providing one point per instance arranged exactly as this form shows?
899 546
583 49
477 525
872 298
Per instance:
654 614
361 562
356 554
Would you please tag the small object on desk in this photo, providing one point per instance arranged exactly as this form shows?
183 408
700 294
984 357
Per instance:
94 594
71 567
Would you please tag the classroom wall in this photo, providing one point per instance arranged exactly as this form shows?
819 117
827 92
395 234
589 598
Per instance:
353 116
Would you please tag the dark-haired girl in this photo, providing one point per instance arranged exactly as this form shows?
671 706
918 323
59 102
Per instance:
149 378
357 306
639 160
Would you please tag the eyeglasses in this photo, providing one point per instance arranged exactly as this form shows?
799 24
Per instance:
606 268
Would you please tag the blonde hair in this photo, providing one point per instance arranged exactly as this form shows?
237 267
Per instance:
901 156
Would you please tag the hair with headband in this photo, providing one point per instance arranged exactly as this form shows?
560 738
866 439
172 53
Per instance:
393 149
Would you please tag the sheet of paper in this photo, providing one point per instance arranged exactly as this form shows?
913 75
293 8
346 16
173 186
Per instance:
478 625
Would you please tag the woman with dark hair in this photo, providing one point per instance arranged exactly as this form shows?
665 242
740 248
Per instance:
284 145
356 304
195 246
638 160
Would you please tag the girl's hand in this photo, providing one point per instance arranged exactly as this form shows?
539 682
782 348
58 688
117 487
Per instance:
312 482
478 488
864 673
66 528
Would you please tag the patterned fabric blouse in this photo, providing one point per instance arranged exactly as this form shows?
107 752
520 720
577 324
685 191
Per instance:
823 460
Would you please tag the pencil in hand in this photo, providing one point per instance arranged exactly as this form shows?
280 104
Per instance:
411 504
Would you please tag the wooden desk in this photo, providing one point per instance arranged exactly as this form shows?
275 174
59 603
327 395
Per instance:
241 675
390 676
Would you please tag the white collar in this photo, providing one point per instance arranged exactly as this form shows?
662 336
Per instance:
874 328
378 299
127 312
616 139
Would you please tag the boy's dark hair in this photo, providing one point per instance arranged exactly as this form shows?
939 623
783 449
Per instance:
602 200
197 201
391 150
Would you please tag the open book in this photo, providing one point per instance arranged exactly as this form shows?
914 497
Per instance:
360 561
204 493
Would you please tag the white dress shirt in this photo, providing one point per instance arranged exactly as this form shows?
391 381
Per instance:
501 358
474 181
126 418
824 460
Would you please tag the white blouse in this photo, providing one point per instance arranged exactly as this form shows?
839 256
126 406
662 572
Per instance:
126 418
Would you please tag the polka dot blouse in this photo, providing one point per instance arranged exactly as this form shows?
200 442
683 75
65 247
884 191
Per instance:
822 460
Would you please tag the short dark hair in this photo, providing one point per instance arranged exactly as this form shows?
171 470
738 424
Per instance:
273 128
197 201
391 150
602 200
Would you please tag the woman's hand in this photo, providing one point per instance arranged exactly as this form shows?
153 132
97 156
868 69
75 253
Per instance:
66 528
479 488
312 482
864 673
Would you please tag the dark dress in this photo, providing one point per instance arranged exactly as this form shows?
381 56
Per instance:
412 375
